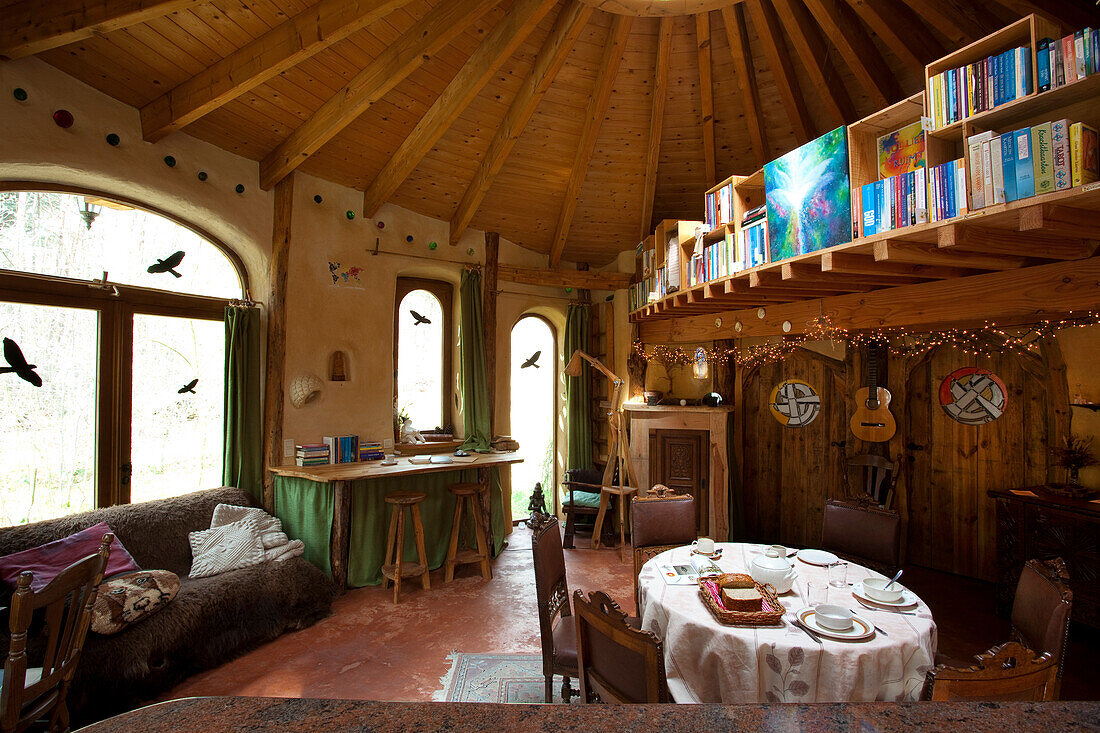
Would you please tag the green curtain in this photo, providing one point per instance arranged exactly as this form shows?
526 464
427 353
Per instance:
475 385
578 408
305 509
242 452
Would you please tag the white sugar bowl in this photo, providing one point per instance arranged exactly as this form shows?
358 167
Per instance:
774 569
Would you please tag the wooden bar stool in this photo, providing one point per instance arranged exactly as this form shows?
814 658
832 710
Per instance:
470 493
397 569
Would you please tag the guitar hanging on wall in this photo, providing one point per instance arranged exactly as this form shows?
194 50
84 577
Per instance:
872 421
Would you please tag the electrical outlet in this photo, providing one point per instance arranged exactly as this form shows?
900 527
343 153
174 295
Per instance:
288 448
387 444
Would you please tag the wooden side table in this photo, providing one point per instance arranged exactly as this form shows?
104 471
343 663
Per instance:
624 493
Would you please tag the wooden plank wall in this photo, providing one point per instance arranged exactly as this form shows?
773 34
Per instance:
946 467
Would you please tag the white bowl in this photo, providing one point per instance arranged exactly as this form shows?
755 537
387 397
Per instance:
875 588
833 617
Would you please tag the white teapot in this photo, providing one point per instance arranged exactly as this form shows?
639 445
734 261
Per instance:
773 569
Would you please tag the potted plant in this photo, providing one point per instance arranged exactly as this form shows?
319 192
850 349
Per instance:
1073 456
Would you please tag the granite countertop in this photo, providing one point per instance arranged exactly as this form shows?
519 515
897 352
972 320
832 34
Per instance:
283 714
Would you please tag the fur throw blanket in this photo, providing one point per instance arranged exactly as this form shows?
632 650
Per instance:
277 546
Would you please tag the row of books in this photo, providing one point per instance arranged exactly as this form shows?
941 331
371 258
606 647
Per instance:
716 261
338 449
719 207
985 84
1030 161
1061 61
311 454
893 202
657 285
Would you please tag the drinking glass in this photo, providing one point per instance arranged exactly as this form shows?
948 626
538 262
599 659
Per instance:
817 593
838 574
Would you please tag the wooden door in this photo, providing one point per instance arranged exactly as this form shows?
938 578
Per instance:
679 460
952 466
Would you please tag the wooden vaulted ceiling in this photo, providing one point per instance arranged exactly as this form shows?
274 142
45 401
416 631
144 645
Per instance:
562 126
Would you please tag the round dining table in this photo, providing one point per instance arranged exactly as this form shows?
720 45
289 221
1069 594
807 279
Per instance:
709 662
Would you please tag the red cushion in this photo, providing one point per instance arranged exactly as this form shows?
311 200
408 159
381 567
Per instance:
47 560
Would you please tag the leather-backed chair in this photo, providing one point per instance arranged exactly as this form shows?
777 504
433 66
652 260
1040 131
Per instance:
1041 609
558 632
617 663
859 530
1010 671
584 486
29 695
660 520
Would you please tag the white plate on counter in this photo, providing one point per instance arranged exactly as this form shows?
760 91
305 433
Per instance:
861 628
817 557
908 597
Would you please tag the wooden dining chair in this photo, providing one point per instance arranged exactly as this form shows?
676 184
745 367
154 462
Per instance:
616 662
584 490
859 530
30 695
557 630
660 520
1010 671
1041 609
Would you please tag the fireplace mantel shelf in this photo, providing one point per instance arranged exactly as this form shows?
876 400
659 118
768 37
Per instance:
639 407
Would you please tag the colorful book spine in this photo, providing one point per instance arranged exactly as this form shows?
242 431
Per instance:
1008 158
1044 161
996 168
1059 145
920 186
1042 63
1025 165
1083 154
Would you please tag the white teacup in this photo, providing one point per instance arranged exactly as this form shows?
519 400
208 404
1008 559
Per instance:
704 545
836 618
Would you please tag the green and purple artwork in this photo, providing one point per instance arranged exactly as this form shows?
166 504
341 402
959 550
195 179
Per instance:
809 197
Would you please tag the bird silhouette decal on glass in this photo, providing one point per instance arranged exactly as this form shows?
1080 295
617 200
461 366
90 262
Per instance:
189 387
419 318
168 264
532 360
17 363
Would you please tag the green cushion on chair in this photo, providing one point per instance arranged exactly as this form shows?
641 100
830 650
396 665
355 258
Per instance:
584 498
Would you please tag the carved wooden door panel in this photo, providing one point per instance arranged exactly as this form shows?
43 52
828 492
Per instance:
952 466
680 462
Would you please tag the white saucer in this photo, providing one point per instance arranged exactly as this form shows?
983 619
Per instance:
908 598
860 630
817 557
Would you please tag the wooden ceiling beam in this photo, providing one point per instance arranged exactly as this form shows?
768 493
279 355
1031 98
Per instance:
1061 219
567 29
847 34
955 20
901 30
811 273
772 281
580 279
656 122
733 17
497 47
1070 15
706 94
28 27
854 264
770 33
815 56
593 120
892 250
427 37
1038 244
281 48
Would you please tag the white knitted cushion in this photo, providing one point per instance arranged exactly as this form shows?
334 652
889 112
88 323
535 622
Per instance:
228 547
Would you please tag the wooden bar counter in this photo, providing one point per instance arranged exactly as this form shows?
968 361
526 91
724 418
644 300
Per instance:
338 478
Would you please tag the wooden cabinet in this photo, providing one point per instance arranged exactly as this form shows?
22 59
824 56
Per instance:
1046 526
679 461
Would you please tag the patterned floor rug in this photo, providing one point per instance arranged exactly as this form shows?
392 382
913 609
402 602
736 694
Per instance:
513 678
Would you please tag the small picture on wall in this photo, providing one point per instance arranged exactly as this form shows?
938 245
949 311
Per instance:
973 396
345 277
794 403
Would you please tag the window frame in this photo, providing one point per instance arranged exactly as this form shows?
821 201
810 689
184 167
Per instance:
444 292
556 395
114 370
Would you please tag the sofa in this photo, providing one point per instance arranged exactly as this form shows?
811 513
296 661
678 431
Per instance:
210 621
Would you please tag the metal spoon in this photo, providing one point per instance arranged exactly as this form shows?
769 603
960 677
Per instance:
893 579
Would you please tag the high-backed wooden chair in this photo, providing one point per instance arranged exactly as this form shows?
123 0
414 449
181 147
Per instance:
1041 609
558 632
1010 671
29 695
659 521
878 477
860 530
617 663
583 489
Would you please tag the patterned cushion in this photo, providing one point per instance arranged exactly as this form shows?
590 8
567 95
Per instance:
129 598
46 561
584 498
228 547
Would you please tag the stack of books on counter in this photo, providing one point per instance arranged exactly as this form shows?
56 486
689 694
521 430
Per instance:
312 454
371 450
343 448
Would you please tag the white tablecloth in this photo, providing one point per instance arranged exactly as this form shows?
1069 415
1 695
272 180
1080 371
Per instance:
706 661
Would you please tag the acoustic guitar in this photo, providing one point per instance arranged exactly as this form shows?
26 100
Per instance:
872 421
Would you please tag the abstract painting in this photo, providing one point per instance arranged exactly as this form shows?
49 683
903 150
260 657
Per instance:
809 197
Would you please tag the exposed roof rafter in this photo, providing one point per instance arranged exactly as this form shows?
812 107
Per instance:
281 48
770 33
738 35
814 53
860 54
567 29
706 95
900 29
593 120
956 22
656 122
427 37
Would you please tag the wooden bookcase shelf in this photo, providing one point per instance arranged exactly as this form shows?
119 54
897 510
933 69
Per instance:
1059 226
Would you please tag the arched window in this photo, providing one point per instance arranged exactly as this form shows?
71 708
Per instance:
422 352
534 355
131 400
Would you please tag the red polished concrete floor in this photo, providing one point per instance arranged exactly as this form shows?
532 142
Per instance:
371 649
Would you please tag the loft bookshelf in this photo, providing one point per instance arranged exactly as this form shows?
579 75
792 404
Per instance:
1051 227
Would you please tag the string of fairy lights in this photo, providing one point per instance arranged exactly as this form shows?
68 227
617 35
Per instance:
985 340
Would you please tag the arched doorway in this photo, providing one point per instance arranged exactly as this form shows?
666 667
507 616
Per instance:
533 406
